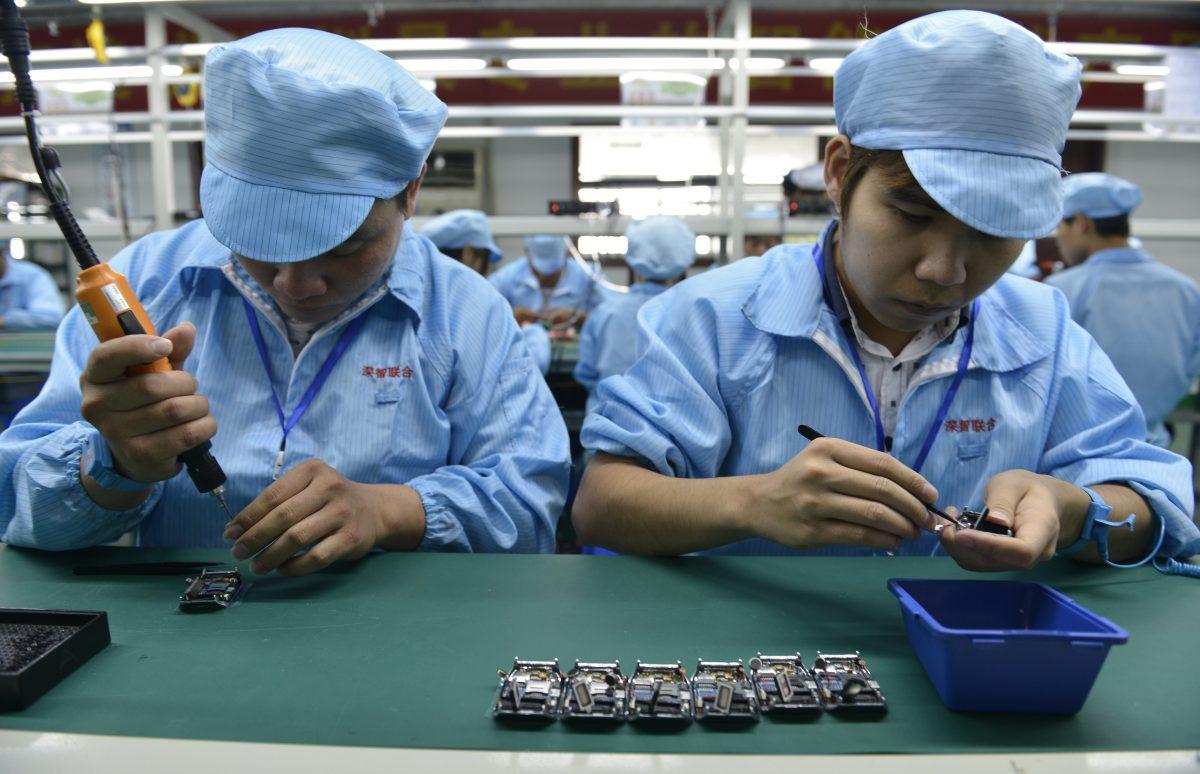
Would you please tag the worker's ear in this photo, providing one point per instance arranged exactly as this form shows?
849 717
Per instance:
837 159
407 199
1087 226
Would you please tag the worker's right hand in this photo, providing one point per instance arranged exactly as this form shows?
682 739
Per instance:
526 315
149 419
838 493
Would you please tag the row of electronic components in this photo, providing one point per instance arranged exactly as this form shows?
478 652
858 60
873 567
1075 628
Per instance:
717 691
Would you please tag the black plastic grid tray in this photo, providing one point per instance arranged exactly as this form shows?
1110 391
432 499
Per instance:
38 648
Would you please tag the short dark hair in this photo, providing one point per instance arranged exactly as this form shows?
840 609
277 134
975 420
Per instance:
1116 226
482 257
889 164
401 199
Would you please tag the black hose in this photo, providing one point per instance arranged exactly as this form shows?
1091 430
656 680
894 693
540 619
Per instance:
201 465
14 42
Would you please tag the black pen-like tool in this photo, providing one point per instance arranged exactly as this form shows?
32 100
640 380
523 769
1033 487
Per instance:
813 435
145 568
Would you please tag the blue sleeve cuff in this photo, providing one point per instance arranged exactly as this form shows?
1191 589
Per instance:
53 510
97 462
1181 536
601 433
443 532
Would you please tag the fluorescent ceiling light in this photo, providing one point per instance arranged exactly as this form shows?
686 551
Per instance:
826 64
761 63
428 83
408 45
114 73
80 54
1155 85
1155 71
195 49
441 65
760 178
126 2
585 64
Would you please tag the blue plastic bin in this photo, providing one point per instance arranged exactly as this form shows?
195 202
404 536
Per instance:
1005 646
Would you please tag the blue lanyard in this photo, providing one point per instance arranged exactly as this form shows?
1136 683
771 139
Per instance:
343 343
964 360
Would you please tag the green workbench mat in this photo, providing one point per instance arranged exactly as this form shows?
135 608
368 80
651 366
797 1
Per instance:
402 651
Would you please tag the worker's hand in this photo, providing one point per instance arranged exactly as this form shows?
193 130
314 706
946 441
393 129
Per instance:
558 315
149 419
314 507
1027 503
839 493
526 315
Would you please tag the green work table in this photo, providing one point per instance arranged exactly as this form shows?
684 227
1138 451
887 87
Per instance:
26 351
402 651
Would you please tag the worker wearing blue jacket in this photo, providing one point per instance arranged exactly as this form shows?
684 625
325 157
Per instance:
544 286
29 299
660 251
465 236
361 390
1146 316
935 377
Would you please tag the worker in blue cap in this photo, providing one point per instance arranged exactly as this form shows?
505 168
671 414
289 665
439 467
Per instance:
1146 316
361 390
659 250
543 286
29 297
465 236
928 375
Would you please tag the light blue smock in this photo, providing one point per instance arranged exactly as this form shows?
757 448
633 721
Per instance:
731 361
28 297
537 340
575 289
1146 317
608 338
437 392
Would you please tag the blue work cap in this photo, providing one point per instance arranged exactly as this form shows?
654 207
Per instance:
305 130
1097 195
660 247
547 252
980 108
457 229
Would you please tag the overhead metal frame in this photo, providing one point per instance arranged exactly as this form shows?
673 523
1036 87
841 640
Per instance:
733 119
1171 229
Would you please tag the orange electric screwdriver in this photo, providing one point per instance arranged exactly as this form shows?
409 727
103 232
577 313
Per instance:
104 296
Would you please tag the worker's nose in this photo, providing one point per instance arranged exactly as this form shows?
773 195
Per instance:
942 264
298 282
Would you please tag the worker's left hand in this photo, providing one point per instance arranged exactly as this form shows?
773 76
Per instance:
558 315
314 507
525 315
1024 501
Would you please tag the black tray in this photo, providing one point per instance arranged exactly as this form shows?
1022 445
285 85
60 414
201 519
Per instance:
38 648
